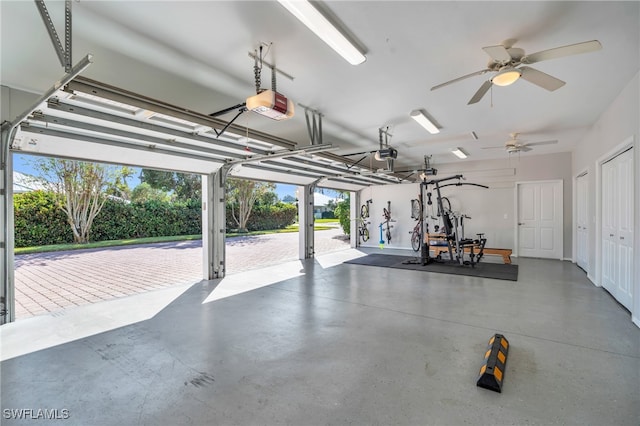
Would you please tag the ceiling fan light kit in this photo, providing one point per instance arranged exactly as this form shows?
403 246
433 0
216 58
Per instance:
506 77
423 120
316 22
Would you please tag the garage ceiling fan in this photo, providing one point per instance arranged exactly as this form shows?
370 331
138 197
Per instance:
509 62
514 145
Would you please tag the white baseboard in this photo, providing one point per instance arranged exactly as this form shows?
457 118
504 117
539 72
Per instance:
593 280
635 320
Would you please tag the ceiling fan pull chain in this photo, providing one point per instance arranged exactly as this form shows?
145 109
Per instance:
492 96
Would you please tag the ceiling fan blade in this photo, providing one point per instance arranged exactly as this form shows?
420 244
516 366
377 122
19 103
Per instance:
480 93
524 149
541 79
460 78
492 147
542 143
559 52
498 53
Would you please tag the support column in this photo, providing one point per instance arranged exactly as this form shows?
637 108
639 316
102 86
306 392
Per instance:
214 224
354 212
306 220
7 285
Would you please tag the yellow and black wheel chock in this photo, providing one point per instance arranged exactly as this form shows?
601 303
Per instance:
495 360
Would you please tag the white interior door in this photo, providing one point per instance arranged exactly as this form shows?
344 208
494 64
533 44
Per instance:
540 219
582 229
617 227
609 225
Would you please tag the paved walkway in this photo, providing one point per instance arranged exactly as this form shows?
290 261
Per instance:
47 282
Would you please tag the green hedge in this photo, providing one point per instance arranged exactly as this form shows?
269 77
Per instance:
278 216
39 222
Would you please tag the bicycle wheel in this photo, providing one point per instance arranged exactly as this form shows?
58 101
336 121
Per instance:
415 209
364 211
365 235
416 240
388 235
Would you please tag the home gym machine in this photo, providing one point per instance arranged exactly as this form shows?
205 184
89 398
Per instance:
452 230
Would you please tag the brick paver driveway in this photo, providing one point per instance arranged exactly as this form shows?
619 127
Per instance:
46 282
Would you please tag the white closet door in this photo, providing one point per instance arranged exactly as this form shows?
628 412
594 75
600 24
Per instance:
617 227
540 220
625 229
582 231
609 225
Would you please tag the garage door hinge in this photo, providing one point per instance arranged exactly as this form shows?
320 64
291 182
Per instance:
54 101
38 114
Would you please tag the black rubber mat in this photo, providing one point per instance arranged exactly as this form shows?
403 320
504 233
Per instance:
484 270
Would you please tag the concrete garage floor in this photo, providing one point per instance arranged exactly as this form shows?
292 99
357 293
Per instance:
350 344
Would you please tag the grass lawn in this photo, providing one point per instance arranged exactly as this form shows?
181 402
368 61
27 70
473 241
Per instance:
150 240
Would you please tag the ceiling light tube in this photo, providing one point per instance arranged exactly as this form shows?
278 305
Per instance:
316 22
458 152
422 119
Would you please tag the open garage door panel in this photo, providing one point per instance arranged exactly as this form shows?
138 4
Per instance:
92 121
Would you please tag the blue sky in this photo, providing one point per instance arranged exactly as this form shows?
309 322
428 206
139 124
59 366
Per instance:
21 163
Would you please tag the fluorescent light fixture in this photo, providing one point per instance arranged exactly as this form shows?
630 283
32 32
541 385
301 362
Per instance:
316 22
422 119
458 152
506 77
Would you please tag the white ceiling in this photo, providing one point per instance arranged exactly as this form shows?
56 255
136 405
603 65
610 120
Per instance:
195 55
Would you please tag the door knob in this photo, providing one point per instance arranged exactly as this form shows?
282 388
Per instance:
611 235
520 223
622 238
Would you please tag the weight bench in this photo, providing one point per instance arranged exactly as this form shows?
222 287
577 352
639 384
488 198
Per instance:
505 253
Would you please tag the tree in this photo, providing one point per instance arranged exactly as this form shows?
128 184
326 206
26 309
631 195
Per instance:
289 199
82 189
120 187
343 212
144 192
185 186
242 195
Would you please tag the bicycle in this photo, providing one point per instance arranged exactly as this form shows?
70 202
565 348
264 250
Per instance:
363 231
416 233
386 213
364 209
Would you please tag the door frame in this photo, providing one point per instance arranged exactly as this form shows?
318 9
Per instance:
574 234
516 237
617 150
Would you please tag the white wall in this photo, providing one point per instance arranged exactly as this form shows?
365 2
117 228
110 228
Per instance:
491 210
619 123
